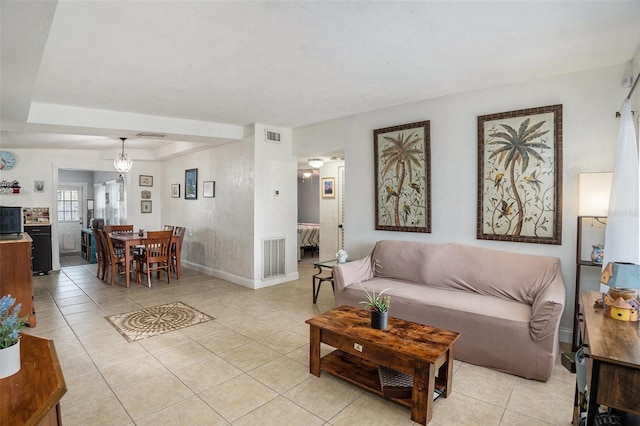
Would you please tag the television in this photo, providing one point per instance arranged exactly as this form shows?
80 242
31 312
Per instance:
11 221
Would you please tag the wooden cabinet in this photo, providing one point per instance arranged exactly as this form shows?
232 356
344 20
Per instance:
16 276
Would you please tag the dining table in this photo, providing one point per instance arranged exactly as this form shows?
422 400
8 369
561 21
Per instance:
136 239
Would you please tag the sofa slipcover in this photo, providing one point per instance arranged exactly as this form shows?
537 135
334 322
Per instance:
506 306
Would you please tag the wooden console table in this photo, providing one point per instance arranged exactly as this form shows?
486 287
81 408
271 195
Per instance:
613 363
32 395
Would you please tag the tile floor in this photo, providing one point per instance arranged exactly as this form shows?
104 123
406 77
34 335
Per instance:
247 367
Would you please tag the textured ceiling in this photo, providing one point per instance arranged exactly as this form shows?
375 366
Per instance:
280 63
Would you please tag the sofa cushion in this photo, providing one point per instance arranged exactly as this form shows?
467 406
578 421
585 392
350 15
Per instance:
477 270
461 302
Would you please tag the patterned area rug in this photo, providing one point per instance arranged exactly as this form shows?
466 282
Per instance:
149 322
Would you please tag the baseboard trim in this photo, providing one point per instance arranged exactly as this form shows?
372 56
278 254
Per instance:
565 335
245 282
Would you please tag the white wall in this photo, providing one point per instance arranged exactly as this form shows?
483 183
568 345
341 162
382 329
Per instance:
227 231
44 164
590 100
219 235
275 215
635 71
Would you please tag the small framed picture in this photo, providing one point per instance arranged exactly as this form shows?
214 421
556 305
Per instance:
38 186
208 189
145 195
329 187
191 184
145 180
175 190
145 206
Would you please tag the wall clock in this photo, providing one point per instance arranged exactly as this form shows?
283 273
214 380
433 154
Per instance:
7 160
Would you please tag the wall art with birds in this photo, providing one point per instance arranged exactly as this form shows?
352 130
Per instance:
402 168
519 175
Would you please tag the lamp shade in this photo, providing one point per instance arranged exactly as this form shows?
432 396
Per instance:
593 194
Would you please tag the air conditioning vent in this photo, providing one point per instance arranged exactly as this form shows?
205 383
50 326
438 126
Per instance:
270 136
272 258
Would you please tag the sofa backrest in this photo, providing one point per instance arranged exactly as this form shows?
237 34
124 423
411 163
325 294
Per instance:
511 276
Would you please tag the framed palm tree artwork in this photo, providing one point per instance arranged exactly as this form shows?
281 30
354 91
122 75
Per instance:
520 176
403 177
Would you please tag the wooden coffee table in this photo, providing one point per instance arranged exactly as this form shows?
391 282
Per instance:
409 348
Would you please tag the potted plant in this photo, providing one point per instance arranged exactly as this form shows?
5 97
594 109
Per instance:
10 325
379 307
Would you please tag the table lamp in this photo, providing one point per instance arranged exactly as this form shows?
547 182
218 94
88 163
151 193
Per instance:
593 194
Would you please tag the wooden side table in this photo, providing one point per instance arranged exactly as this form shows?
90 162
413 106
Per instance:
32 395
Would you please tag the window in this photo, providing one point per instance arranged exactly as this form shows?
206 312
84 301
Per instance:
69 202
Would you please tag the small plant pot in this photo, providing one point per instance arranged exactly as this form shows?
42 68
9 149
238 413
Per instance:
379 320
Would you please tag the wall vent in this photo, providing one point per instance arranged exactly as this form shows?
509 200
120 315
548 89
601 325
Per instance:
272 258
270 136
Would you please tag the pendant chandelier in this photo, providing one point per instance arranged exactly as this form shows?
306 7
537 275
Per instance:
122 162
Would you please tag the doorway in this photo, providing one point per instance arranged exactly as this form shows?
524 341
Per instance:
75 196
70 202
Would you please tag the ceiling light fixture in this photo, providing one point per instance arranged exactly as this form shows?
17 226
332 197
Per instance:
122 162
316 163
306 174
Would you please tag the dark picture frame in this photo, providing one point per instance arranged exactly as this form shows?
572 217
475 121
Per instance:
208 189
402 158
145 180
191 184
175 190
146 206
520 176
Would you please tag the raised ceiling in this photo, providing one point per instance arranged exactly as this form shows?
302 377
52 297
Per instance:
79 74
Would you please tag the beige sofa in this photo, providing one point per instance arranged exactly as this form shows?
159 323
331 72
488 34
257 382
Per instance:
505 306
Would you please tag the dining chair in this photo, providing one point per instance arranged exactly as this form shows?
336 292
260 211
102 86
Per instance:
101 239
101 270
119 229
176 250
116 257
156 255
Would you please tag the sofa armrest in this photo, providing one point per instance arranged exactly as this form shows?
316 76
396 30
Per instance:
352 272
547 309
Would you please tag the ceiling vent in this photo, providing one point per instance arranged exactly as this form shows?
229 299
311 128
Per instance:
270 136
150 135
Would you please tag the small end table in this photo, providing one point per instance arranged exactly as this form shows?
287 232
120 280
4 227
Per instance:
318 278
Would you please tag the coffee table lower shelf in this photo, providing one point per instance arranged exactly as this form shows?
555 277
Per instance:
364 374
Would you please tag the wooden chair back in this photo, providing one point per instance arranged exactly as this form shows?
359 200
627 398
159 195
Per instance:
100 271
157 254
176 249
114 255
119 229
